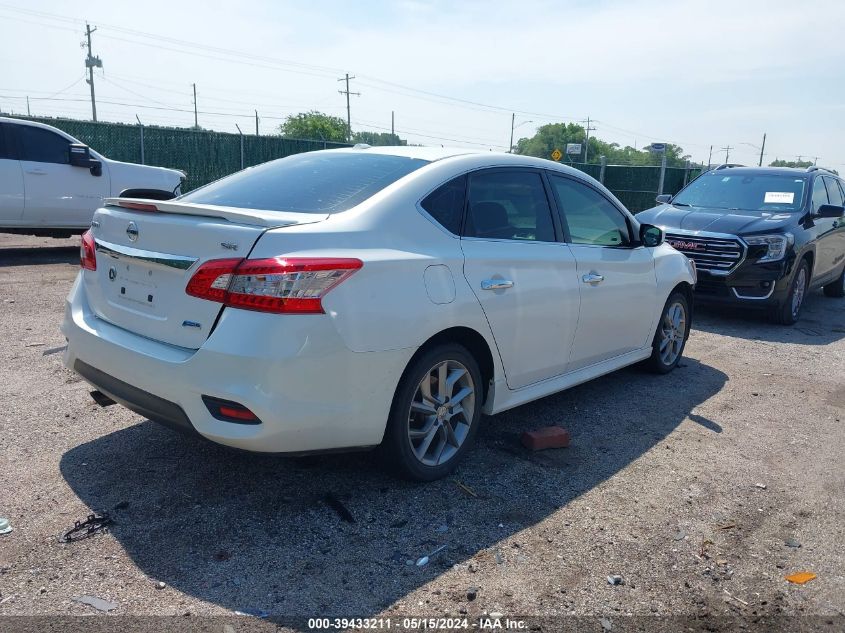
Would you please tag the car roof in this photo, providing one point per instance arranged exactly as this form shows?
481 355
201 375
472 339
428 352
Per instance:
410 151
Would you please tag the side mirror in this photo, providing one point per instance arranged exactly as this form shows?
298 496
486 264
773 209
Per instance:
663 198
80 155
651 235
829 211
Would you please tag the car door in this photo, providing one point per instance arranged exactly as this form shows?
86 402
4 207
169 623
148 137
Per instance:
58 194
523 275
11 182
616 277
836 237
824 229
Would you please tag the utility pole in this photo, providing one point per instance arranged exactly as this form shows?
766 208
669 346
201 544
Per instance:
513 120
196 123
727 153
90 63
710 158
256 122
760 164
587 141
348 109
28 113
392 123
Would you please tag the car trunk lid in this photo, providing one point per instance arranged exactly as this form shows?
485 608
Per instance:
146 256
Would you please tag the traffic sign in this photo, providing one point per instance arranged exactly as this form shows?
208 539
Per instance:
556 155
573 148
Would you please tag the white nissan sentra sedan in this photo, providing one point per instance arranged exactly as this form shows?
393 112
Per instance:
369 297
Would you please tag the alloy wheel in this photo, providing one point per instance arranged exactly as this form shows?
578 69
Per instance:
673 330
441 412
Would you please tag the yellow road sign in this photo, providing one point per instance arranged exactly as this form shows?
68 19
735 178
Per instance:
556 155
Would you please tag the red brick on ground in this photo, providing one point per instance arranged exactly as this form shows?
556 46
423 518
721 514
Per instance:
547 437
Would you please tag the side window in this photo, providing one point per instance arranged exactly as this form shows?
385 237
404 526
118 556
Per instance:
592 219
509 205
5 151
834 194
42 146
446 204
819 193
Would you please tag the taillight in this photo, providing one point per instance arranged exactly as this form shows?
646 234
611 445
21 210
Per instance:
87 252
294 285
137 206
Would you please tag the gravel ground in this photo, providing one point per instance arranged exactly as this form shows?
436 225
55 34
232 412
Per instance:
701 489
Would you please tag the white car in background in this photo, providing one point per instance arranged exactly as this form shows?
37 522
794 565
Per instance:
370 296
51 184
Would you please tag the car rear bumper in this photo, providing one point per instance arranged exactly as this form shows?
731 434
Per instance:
309 391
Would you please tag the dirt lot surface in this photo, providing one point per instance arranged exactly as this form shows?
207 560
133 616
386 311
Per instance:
702 489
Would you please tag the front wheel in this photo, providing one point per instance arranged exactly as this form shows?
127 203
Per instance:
789 311
671 335
435 413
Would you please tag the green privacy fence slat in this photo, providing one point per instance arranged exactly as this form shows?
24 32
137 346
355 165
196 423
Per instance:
207 156
204 155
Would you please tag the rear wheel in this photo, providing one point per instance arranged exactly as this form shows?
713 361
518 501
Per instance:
435 413
671 335
789 311
837 288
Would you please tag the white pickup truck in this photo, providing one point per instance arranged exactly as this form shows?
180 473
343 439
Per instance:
51 184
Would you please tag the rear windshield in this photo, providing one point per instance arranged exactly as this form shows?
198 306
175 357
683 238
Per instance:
313 182
753 192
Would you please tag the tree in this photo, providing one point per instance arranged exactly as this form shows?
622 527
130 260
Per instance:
557 135
314 125
791 163
378 138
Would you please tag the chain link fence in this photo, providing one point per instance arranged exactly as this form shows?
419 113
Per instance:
207 156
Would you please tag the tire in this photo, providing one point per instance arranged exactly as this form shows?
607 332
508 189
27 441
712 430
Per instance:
837 288
789 311
425 439
671 335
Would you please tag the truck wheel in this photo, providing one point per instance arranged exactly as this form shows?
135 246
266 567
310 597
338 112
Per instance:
837 288
789 311
671 335
435 414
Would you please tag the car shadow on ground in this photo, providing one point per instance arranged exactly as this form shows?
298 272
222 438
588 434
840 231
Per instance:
822 321
257 532
39 255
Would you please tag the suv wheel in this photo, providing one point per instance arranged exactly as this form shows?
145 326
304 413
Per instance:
435 413
671 335
837 288
789 311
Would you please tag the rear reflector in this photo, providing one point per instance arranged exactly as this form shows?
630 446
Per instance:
229 411
294 285
87 252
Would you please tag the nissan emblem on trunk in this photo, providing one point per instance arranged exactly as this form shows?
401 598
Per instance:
132 231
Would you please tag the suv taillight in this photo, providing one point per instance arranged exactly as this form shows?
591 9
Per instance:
292 285
87 252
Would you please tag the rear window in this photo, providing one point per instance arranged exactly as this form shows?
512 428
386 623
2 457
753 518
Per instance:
313 182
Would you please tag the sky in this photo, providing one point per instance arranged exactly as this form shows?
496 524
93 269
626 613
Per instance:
698 74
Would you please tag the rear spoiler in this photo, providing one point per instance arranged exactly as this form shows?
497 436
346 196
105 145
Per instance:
257 217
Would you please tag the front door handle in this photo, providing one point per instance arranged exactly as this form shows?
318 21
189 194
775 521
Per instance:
593 279
36 172
496 284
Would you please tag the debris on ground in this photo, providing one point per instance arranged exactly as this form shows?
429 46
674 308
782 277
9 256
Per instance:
615 580
92 525
424 560
680 535
5 526
337 505
160 585
465 488
256 613
606 624
727 526
733 597
801 577
98 603
792 542
547 437
472 593
442 529
760 486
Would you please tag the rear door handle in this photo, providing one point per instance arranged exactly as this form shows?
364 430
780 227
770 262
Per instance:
496 284
593 279
36 172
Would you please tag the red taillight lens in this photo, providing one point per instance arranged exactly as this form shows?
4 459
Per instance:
137 206
294 285
87 252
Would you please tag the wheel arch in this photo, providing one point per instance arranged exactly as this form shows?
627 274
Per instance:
685 288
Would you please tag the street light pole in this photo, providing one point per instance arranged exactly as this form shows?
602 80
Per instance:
760 164
513 120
